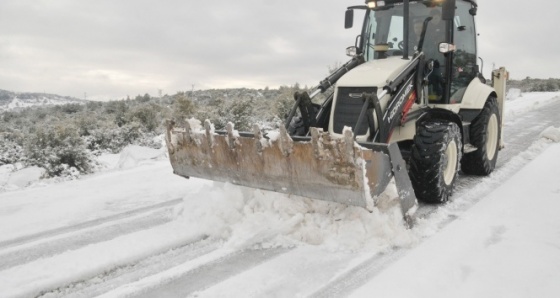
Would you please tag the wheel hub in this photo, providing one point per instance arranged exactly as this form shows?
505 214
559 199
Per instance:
492 137
450 167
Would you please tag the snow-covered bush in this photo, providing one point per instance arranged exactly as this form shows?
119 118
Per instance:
10 151
284 106
58 149
238 111
117 110
183 107
146 115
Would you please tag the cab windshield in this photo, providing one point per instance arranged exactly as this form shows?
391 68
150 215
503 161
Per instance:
383 35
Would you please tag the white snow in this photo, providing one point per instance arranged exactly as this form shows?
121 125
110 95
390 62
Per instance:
513 93
551 133
25 177
518 106
133 155
507 245
12 179
50 100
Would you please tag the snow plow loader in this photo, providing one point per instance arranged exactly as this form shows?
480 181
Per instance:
411 104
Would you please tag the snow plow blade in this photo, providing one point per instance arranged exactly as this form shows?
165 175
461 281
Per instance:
317 167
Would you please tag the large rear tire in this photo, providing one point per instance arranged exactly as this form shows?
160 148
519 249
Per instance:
485 136
434 160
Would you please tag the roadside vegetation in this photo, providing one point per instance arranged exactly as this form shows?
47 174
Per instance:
64 139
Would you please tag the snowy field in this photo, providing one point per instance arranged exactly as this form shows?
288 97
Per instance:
136 230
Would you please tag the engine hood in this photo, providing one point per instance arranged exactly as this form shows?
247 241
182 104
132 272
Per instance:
373 73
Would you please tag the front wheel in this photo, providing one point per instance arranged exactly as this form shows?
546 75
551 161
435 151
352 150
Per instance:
485 136
434 160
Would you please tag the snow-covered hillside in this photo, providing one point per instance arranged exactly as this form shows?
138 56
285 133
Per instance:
10 101
135 229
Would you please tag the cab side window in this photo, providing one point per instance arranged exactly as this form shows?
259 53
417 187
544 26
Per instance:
464 58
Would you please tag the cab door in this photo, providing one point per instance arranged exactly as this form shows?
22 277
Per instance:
464 68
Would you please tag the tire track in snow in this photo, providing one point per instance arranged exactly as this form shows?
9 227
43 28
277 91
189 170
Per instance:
77 240
213 272
357 276
123 275
84 225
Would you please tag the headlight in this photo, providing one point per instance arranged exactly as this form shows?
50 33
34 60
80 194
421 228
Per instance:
373 3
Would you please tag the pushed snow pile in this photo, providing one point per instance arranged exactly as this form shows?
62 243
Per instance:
132 156
108 160
531 101
24 177
552 133
5 172
513 93
245 217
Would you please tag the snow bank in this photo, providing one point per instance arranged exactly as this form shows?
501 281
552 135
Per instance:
25 177
513 93
12 179
108 160
244 217
5 172
551 133
531 101
133 155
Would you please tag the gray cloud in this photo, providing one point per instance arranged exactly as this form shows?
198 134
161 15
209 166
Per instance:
111 49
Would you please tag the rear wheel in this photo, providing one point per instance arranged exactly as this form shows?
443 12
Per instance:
434 160
485 136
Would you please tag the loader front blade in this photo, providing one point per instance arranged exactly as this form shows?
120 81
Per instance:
318 167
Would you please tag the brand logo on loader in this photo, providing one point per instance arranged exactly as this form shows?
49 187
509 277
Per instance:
355 95
403 96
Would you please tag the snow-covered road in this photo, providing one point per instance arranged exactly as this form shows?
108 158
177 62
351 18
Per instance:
138 230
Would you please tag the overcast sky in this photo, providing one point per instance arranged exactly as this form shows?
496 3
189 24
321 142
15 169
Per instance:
113 48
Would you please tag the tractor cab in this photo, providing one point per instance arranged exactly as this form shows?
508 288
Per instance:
443 30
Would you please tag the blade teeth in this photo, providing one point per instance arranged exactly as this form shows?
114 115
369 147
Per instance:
170 124
349 145
258 138
230 136
187 135
286 143
209 133
257 131
316 142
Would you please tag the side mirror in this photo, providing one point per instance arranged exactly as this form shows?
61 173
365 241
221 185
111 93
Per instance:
351 51
448 10
349 19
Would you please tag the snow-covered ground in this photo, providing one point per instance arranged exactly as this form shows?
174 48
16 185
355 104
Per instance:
18 102
507 245
135 229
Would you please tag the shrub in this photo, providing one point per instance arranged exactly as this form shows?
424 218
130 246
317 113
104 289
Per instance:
57 149
146 115
10 151
238 111
183 107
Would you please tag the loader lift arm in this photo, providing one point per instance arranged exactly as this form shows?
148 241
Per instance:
303 99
